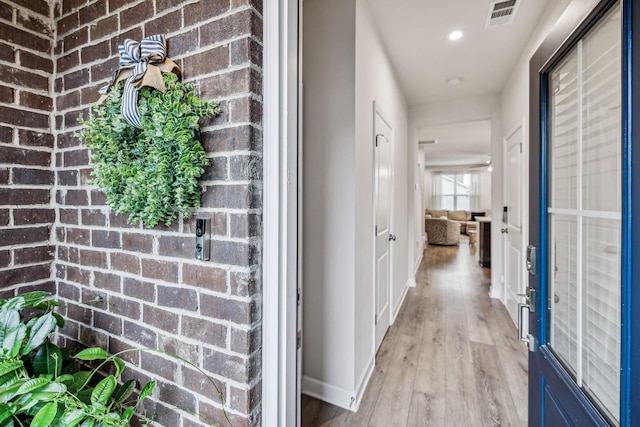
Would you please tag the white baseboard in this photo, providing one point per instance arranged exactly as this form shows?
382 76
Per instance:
337 395
396 309
417 265
411 283
329 393
494 292
364 380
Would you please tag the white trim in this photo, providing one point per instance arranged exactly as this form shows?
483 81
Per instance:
417 265
378 112
280 103
329 393
586 213
405 289
364 381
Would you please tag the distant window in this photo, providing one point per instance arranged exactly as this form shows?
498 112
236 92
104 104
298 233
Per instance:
455 192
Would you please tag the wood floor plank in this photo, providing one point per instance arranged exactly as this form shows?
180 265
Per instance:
426 410
316 412
495 400
429 386
392 405
452 357
411 320
432 364
384 359
460 395
513 357
476 309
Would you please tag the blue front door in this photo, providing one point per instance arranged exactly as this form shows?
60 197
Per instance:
581 364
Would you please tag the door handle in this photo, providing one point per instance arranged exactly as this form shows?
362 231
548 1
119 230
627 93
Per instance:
392 237
529 339
530 298
521 307
504 230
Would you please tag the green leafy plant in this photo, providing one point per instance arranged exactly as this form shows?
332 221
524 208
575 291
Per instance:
151 173
42 385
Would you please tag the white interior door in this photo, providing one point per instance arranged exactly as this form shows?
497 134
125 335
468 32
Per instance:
512 223
382 220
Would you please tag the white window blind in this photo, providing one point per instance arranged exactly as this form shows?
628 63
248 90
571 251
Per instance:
455 191
584 216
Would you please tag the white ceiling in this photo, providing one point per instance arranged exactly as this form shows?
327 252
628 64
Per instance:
466 143
414 33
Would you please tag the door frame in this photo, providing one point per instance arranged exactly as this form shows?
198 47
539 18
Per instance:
378 112
524 213
281 266
574 23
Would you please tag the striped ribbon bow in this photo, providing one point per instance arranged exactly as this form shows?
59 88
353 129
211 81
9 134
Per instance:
136 57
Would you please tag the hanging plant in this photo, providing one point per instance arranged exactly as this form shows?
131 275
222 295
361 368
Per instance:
150 172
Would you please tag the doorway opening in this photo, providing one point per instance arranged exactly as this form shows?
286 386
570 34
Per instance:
346 71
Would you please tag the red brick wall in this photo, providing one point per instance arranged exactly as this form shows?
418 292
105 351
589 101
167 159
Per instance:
153 293
26 145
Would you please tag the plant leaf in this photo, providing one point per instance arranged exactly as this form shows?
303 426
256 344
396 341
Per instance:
39 332
93 353
9 319
10 366
13 340
9 391
103 390
59 320
5 418
15 303
85 395
48 360
66 378
146 390
127 414
45 415
80 379
119 363
31 385
49 391
124 391
89 422
32 299
72 418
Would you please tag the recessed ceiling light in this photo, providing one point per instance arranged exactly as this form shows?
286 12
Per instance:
456 35
454 81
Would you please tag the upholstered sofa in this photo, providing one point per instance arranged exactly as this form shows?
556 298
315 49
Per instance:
462 217
442 231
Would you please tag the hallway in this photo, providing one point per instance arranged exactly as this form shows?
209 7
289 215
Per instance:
452 357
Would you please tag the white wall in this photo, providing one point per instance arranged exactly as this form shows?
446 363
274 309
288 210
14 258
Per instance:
419 205
515 95
329 194
345 70
376 81
515 112
485 178
427 189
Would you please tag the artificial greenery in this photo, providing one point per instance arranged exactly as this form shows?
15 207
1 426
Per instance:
151 173
42 385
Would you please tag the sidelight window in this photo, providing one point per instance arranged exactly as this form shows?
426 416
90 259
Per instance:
585 213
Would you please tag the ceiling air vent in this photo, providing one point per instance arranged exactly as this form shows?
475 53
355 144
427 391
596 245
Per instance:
501 13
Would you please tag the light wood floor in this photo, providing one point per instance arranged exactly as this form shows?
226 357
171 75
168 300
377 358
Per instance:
452 357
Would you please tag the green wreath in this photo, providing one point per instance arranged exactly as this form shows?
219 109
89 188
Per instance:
151 173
